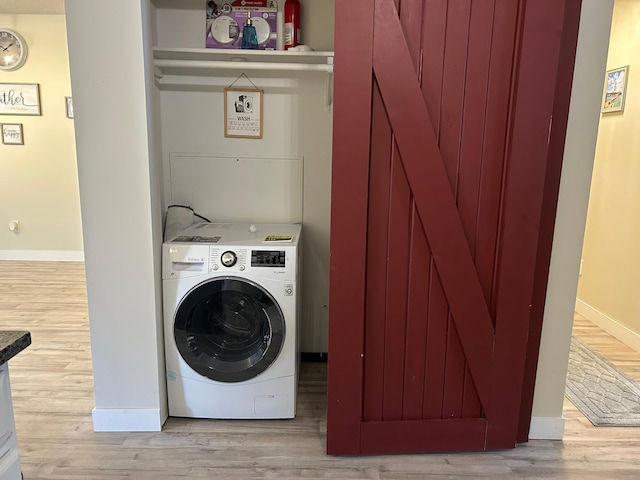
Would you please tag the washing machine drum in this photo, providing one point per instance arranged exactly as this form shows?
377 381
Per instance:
229 329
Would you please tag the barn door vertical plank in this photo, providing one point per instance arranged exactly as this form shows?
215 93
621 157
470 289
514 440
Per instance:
397 279
416 380
493 161
550 201
538 65
411 18
433 41
377 247
349 179
455 65
472 143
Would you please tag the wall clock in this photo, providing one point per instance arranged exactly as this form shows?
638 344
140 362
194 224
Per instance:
13 50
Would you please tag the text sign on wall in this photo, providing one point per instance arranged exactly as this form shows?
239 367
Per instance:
243 112
19 99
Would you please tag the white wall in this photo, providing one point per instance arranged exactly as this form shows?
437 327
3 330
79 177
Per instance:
39 180
595 23
120 191
296 123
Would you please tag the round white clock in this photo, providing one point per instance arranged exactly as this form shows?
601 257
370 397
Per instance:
13 50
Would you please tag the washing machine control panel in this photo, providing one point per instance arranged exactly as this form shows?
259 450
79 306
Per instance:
229 258
268 258
224 259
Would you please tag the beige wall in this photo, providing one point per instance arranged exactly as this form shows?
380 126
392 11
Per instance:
39 181
608 287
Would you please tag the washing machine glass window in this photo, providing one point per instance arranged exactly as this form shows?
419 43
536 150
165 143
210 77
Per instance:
229 329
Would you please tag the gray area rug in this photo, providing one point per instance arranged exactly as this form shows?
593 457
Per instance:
604 394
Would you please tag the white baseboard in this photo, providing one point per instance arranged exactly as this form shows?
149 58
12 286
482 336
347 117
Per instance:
43 255
128 420
609 325
546 428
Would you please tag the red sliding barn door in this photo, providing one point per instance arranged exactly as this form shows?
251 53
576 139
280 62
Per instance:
443 114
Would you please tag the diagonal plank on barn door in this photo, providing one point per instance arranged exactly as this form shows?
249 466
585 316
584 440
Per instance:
434 200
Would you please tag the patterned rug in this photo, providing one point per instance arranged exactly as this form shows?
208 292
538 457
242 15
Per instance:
604 394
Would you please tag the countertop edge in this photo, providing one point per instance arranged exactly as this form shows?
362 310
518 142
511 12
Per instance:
12 342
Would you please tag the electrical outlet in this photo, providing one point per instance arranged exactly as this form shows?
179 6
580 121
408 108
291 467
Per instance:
14 226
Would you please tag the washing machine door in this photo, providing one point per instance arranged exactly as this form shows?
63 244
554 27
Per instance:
229 329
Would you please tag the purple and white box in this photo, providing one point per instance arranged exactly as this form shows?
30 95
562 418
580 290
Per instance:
224 28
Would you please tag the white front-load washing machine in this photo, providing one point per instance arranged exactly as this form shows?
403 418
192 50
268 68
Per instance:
230 297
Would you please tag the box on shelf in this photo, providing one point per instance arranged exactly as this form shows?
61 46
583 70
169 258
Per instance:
225 20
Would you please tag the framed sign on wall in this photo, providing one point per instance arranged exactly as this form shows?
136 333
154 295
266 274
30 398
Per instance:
243 112
615 90
19 99
12 134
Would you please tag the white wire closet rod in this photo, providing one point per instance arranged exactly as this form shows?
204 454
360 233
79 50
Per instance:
234 65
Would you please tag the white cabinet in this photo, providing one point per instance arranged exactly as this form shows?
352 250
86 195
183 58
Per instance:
9 461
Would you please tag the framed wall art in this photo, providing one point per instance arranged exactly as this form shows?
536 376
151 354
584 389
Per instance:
615 89
12 134
243 112
19 99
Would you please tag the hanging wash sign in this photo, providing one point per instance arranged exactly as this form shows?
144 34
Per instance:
243 112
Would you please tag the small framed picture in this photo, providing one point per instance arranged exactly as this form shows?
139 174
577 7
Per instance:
12 134
243 112
69 104
615 90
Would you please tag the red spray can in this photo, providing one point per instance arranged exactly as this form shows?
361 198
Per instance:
291 24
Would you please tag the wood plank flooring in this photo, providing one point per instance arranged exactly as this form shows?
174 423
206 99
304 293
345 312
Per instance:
53 398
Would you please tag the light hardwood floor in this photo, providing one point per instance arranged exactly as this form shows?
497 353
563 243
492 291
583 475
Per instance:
53 398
